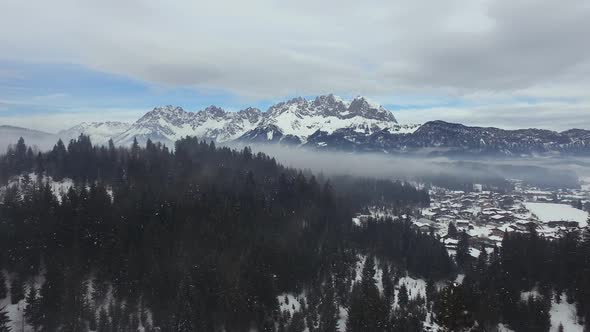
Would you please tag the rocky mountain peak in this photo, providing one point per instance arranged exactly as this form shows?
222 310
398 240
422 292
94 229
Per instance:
329 105
362 107
251 110
169 113
297 101
251 113
214 111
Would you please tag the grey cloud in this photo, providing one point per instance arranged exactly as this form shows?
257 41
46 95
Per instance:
527 43
266 48
550 115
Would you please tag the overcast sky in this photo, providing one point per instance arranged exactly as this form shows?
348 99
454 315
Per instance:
507 63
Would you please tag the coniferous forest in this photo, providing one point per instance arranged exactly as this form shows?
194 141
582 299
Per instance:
206 238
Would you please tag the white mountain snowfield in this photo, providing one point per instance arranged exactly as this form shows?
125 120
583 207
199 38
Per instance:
297 119
565 314
99 132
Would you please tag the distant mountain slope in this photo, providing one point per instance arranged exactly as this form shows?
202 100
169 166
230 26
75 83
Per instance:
99 132
168 124
10 135
443 138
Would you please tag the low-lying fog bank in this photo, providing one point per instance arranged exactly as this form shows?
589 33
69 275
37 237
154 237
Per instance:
555 172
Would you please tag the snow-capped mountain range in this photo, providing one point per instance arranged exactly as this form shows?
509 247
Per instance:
290 122
168 124
326 123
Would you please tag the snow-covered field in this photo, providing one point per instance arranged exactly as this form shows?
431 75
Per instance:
416 287
342 319
547 212
15 314
16 311
290 303
565 314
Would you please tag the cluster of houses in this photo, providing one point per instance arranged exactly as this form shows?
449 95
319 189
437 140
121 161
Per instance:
486 216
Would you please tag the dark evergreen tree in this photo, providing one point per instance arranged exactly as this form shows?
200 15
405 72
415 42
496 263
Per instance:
20 154
402 297
452 231
368 310
32 311
463 256
4 321
297 323
17 290
388 285
51 294
328 309
103 321
3 288
451 310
